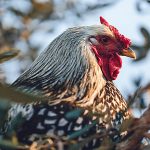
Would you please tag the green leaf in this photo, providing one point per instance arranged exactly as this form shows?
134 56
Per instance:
7 55
14 95
85 129
4 107
8 145
74 114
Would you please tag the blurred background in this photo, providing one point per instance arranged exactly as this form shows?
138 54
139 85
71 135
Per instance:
30 25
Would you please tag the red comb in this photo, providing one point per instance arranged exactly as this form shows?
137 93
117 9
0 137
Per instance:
125 41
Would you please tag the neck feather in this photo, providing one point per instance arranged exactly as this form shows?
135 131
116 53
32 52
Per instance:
66 71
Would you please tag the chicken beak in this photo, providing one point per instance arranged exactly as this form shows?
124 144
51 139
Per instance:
128 52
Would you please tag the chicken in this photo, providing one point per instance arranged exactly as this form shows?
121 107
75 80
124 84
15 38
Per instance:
75 72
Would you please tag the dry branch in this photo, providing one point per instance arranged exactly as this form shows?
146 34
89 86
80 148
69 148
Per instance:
138 130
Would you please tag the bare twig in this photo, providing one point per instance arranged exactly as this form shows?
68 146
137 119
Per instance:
134 141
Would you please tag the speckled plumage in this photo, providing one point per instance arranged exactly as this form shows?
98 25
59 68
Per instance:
67 73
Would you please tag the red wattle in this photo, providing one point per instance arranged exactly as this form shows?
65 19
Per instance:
115 63
111 65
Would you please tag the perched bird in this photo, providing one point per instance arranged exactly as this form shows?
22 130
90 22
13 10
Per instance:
75 72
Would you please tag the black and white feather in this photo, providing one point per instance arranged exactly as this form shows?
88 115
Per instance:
67 73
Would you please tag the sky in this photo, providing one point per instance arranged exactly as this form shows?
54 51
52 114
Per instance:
122 15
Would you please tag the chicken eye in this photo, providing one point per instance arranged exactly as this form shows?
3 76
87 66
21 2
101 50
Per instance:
105 40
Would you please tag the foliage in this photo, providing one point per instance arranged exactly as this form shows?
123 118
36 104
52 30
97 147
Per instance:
7 54
28 21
